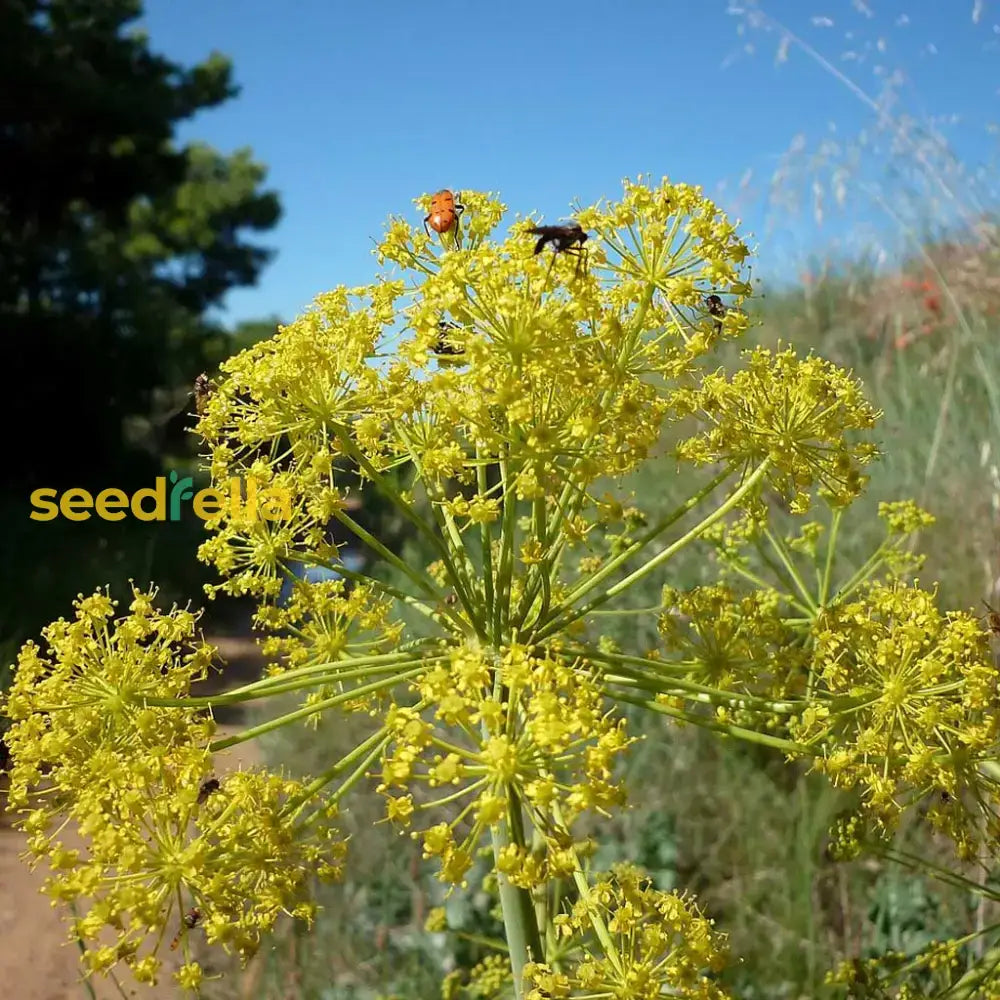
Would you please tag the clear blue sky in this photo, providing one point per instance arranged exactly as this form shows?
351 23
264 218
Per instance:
356 108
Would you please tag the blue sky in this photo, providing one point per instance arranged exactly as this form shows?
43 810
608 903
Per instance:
357 108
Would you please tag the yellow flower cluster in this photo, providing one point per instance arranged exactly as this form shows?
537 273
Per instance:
94 745
518 726
483 388
325 622
564 375
733 641
633 941
906 706
793 413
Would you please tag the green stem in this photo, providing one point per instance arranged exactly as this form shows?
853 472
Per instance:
701 693
423 582
523 939
861 575
486 542
593 910
764 585
969 985
87 984
279 685
738 732
459 569
786 560
356 664
345 440
661 557
303 713
369 750
824 589
508 530
640 543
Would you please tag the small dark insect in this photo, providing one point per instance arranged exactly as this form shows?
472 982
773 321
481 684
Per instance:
202 390
443 346
451 600
189 922
563 238
945 797
716 308
993 619
207 787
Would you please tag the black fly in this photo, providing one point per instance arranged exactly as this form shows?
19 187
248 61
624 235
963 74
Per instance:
443 345
564 239
207 787
188 922
715 308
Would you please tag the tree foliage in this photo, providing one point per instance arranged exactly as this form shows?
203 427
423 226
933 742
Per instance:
114 239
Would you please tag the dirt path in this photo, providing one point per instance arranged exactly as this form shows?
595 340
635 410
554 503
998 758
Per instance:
36 962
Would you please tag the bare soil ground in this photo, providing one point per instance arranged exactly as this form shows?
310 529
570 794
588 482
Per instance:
37 962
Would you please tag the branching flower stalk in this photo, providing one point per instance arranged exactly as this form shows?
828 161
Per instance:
496 724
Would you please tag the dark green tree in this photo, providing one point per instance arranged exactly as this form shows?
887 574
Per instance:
114 240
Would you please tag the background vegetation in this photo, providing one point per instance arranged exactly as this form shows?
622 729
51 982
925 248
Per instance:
115 243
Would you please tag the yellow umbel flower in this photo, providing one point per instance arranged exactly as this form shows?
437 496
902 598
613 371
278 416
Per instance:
908 707
635 942
548 743
100 738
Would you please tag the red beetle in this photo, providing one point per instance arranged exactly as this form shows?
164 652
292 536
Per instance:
444 212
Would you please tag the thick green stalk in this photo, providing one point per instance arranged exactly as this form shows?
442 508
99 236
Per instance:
523 939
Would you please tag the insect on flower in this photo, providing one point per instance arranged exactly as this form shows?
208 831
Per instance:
202 390
189 922
444 212
716 308
443 345
207 787
567 239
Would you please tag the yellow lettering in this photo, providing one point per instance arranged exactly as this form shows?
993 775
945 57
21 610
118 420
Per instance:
159 495
74 504
276 505
208 496
109 504
43 502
